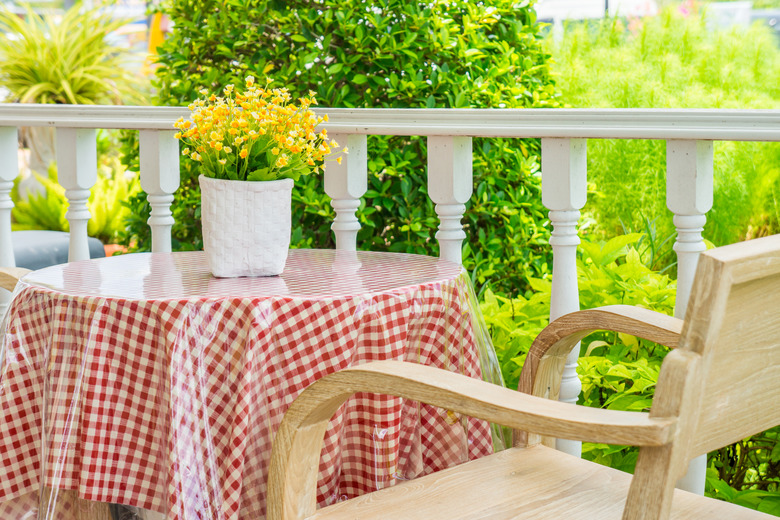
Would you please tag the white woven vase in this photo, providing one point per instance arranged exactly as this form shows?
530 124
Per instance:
246 226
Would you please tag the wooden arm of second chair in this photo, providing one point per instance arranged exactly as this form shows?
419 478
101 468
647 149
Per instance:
543 366
292 485
9 276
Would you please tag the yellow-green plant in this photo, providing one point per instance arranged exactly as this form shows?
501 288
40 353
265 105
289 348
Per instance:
67 59
254 135
674 61
46 209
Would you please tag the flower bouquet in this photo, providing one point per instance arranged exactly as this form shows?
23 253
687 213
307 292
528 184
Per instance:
251 146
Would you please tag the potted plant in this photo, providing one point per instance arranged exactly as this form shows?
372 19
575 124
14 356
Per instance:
251 146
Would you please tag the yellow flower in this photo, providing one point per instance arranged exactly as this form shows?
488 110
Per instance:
345 151
338 159
279 122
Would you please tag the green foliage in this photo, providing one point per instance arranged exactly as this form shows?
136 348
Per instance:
46 210
608 273
673 61
748 472
68 59
392 53
617 371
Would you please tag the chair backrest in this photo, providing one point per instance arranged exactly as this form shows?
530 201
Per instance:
723 381
733 322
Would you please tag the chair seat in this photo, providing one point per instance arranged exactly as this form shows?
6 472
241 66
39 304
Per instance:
562 486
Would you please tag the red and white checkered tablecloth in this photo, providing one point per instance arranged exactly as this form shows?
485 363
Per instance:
142 380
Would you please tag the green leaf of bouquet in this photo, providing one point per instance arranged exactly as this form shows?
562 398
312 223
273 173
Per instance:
260 174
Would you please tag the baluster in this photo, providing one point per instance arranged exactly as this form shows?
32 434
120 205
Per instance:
345 184
77 172
689 187
564 191
9 169
450 184
159 162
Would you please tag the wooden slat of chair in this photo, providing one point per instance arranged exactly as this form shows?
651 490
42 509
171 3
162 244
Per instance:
9 276
731 335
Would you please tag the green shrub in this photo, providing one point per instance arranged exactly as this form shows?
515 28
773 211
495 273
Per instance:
608 273
391 53
673 61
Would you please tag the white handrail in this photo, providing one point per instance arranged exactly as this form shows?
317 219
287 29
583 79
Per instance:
607 123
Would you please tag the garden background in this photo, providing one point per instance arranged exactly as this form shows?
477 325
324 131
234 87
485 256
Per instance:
394 53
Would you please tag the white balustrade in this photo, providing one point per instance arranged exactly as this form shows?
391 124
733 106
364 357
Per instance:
77 172
689 135
9 169
450 184
564 192
159 162
345 184
689 190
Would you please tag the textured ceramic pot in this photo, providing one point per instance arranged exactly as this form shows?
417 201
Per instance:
246 226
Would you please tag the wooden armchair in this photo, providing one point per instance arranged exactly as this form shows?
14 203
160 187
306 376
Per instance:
719 385
9 276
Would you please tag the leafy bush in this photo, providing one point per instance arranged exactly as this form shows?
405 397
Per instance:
673 61
608 274
392 53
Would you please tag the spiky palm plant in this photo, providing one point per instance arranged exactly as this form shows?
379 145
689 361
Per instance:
68 59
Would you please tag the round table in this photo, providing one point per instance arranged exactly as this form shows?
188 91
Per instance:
143 380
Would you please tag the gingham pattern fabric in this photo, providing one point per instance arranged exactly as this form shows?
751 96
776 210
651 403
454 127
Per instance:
167 397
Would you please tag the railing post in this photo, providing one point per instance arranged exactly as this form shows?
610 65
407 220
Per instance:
345 184
564 191
689 188
77 173
450 184
159 162
9 169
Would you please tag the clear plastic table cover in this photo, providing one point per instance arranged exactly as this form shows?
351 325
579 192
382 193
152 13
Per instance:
139 386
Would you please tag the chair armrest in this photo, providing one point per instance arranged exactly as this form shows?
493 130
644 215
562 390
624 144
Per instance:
9 276
543 367
298 442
